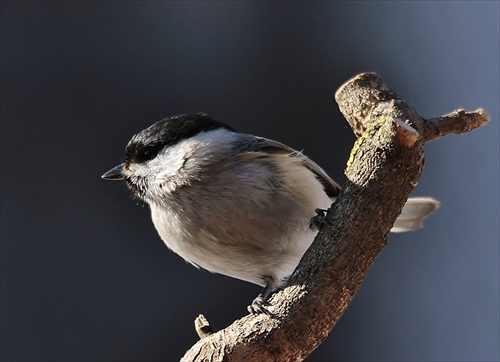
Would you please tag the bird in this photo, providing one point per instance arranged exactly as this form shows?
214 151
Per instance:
234 203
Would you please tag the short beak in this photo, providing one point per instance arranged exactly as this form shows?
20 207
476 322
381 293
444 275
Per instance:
115 173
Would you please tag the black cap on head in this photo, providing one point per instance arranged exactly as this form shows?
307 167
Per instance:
147 143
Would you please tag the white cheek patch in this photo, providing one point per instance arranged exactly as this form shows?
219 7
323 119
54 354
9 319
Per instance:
164 166
179 164
199 150
169 161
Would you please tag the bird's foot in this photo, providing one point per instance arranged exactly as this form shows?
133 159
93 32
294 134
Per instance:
259 306
319 220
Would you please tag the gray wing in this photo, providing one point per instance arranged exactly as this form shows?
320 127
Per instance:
262 145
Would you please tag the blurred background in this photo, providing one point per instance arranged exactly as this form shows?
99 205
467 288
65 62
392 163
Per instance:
84 274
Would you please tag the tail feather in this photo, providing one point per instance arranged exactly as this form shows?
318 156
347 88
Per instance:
414 212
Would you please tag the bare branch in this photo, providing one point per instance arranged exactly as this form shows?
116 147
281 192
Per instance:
385 165
458 121
367 96
202 326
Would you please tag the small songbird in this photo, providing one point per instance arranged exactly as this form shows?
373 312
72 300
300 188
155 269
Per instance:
233 203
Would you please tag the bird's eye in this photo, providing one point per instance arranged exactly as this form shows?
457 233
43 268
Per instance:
148 153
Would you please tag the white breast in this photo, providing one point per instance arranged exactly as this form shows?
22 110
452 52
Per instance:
248 221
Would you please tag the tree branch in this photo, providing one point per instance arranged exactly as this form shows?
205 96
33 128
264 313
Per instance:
385 165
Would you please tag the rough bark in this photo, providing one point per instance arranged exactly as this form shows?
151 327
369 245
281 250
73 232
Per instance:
384 167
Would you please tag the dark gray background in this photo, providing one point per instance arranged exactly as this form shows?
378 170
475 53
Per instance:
84 274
